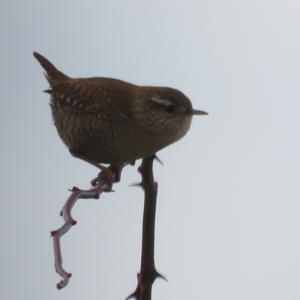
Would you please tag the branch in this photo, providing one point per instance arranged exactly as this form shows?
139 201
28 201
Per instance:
103 183
148 273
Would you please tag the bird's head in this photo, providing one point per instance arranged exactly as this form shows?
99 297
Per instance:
165 110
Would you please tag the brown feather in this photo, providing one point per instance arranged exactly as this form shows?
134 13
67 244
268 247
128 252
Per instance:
53 75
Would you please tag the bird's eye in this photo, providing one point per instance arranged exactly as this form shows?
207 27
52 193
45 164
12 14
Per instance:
170 108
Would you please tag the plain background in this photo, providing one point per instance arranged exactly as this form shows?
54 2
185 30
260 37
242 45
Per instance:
228 210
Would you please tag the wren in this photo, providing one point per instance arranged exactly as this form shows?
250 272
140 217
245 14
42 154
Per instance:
110 121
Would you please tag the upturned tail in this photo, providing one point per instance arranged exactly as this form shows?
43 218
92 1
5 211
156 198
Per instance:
53 75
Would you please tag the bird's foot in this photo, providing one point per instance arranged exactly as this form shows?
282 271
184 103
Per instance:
109 174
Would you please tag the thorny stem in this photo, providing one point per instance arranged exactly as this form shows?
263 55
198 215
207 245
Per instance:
103 183
148 273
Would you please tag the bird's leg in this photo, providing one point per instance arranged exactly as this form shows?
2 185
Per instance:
113 171
117 169
111 174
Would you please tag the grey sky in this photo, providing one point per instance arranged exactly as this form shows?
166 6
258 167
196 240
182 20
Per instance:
228 221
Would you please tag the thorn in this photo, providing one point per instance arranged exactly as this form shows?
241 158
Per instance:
53 233
74 222
160 276
133 295
137 184
158 160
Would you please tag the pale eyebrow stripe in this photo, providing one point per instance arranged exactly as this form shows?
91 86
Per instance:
162 101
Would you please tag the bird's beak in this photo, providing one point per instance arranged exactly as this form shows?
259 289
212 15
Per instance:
198 112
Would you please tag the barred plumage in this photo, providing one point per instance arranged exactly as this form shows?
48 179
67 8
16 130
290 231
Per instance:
106 120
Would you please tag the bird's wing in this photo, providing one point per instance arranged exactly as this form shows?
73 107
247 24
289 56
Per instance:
88 96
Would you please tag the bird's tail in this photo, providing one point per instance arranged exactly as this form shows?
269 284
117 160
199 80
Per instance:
53 75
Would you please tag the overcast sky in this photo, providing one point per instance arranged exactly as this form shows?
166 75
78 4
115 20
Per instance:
228 223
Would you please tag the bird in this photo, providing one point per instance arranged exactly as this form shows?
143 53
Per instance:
105 120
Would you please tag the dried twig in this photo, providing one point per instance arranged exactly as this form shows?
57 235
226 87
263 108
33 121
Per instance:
148 273
103 183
